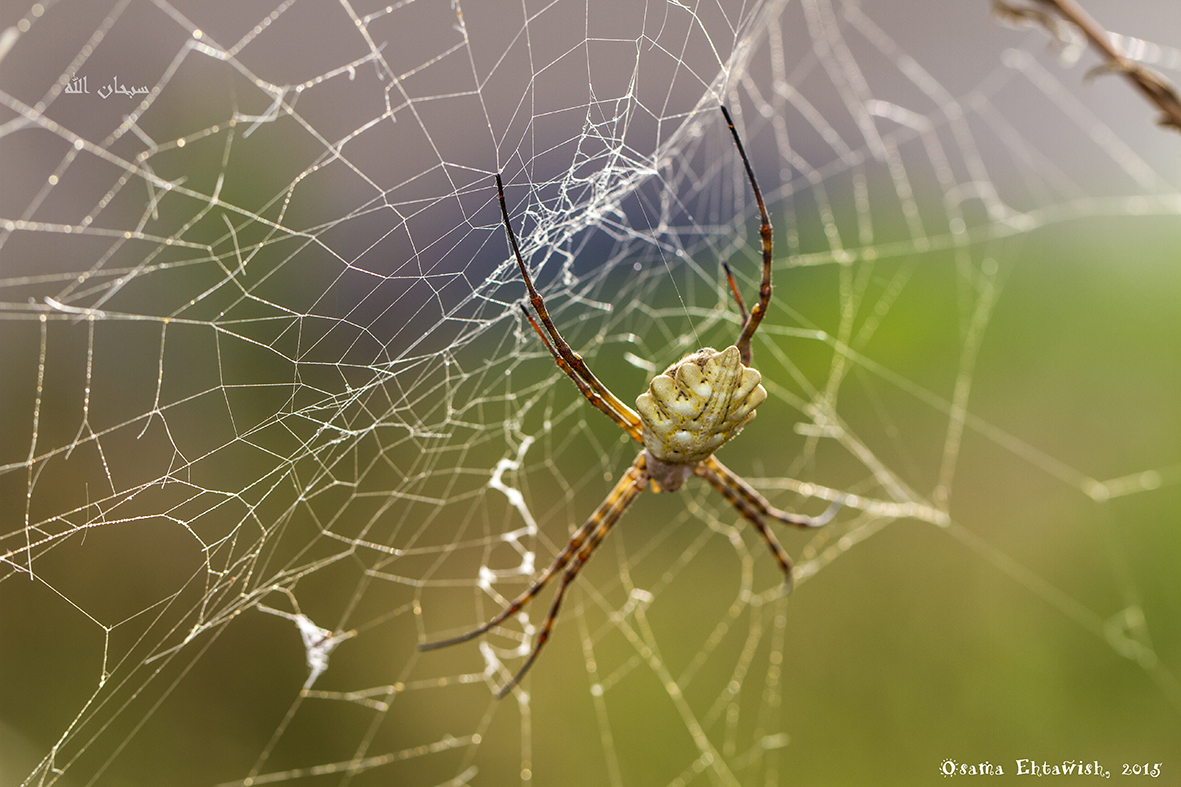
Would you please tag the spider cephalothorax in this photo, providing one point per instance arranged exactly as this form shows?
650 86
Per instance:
688 412
692 409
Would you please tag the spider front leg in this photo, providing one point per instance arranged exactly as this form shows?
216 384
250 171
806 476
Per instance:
751 514
573 557
628 488
752 498
754 507
517 604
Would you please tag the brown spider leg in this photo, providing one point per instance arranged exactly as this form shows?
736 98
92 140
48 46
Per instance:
575 543
751 323
520 601
750 513
734 290
576 366
759 503
604 518
583 386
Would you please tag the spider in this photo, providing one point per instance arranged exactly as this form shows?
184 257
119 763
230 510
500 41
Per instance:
688 412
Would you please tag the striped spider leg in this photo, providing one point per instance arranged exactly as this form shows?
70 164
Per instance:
689 411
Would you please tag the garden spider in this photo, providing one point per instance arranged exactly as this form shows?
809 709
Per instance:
689 411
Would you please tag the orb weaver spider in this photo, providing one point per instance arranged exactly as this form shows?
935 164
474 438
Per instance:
689 411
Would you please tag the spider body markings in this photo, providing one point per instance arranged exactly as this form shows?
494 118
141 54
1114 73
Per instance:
688 412
692 409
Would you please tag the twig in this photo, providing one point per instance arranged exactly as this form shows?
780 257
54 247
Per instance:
1153 86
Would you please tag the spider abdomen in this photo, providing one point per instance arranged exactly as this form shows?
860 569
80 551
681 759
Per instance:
696 405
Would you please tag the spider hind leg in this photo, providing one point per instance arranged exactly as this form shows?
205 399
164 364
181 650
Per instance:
750 322
564 356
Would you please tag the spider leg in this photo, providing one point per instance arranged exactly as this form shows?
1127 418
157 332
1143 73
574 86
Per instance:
754 507
760 504
632 429
574 366
751 513
575 543
750 323
734 290
595 528
604 518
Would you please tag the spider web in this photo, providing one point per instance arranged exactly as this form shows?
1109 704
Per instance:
269 416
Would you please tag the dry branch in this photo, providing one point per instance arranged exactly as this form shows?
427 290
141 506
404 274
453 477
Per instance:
1047 14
